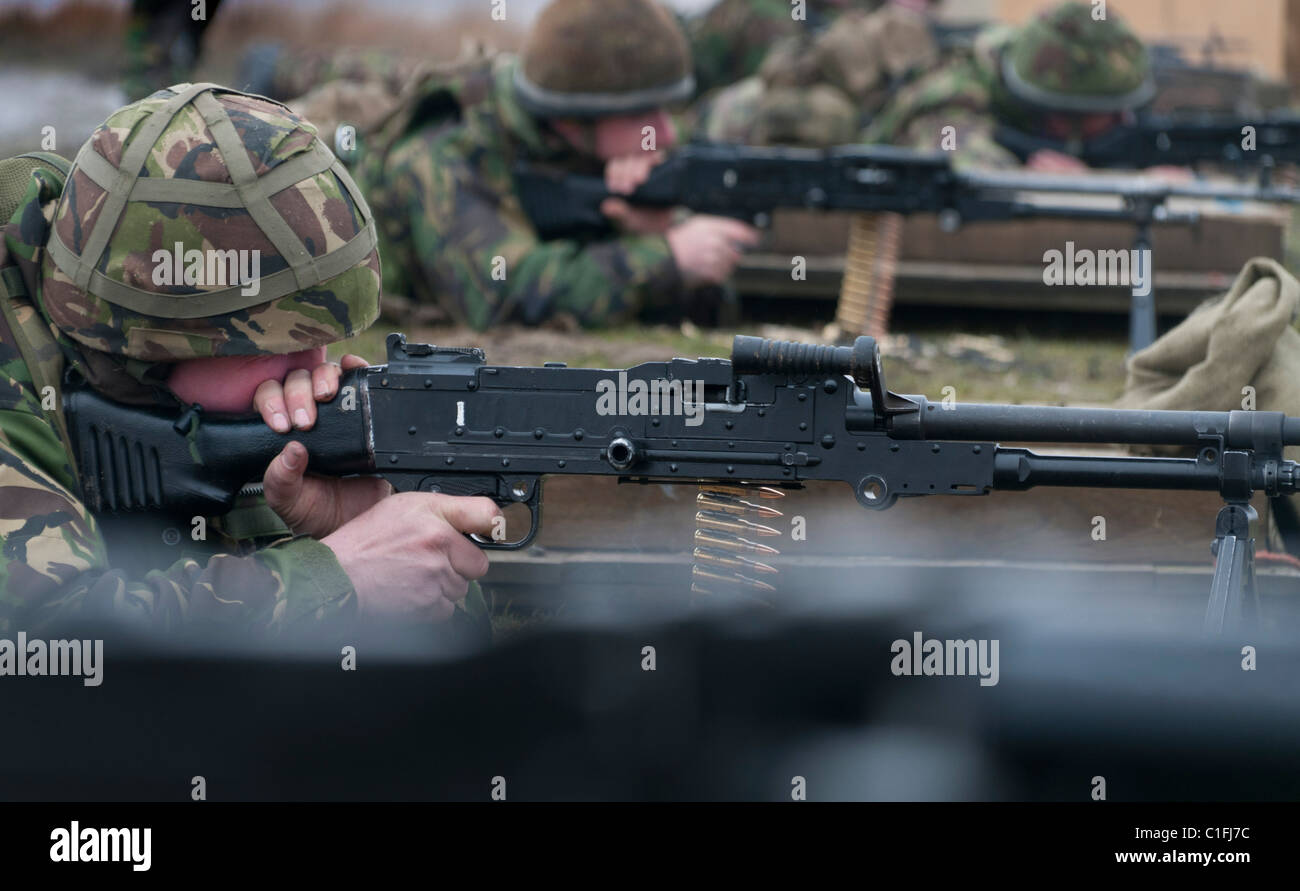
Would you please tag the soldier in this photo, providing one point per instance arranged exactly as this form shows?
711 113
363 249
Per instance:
731 40
202 168
1065 75
588 94
818 88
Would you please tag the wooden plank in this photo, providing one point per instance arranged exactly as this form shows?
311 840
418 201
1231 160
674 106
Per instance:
1000 264
1219 241
959 284
595 513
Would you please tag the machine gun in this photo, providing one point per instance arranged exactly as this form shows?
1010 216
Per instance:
749 183
777 415
1181 140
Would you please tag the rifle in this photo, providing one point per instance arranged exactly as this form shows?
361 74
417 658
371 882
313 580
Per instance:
750 182
1182 140
777 414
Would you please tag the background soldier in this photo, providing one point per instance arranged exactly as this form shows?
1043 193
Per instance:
731 40
820 87
587 95
1064 75
81 301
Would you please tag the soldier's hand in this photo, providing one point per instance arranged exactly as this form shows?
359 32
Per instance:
317 505
1048 161
624 174
622 177
707 248
407 556
292 404
637 220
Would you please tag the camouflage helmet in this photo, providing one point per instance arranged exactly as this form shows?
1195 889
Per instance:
203 221
589 58
1066 60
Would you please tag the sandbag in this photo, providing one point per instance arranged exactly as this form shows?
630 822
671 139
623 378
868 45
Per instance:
1243 339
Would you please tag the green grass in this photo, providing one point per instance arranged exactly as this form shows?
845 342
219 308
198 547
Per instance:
509 620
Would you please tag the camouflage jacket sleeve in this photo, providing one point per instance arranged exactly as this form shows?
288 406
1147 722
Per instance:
951 97
970 139
452 236
54 565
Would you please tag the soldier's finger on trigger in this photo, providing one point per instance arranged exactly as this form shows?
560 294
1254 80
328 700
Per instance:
298 398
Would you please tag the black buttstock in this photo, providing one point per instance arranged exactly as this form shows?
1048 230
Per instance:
185 462
560 205
563 205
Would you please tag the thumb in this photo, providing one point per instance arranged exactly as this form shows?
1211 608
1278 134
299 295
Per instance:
282 482
616 209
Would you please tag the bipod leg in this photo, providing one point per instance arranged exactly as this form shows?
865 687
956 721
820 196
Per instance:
1233 595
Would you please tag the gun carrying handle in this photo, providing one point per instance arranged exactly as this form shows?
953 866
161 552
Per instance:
757 355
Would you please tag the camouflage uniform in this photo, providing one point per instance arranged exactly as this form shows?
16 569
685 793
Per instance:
1063 61
438 173
962 95
296 73
818 88
83 303
730 41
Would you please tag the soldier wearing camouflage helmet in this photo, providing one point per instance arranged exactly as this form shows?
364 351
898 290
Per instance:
1066 75
588 94
91 297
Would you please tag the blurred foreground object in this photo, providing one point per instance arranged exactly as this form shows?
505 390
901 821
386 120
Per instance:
738 705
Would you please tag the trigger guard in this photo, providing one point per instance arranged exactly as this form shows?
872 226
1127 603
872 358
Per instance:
535 511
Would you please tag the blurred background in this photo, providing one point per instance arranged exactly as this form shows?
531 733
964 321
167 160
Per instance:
50 47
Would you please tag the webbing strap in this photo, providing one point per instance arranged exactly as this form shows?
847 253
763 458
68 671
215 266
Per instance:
11 279
119 192
205 194
223 300
257 202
